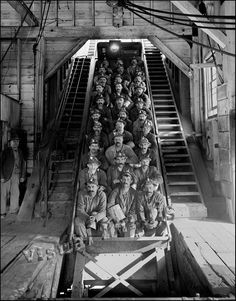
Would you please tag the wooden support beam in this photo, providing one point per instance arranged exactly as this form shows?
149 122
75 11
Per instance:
187 8
170 55
39 94
23 9
95 32
202 65
77 289
19 68
67 56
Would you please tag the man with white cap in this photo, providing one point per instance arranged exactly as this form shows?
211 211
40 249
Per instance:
13 172
124 196
91 211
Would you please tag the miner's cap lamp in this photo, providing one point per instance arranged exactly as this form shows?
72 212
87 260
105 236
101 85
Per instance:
114 46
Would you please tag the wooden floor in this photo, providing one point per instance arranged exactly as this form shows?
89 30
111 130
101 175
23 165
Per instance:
40 277
212 244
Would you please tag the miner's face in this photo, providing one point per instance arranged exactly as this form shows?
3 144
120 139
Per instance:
118 141
92 188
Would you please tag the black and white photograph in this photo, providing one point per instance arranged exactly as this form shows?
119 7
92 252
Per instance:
117 150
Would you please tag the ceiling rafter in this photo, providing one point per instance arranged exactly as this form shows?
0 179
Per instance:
187 8
95 32
22 9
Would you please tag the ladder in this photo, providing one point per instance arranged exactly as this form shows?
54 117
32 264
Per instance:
181 182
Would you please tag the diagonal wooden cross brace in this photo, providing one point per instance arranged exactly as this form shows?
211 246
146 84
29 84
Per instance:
122 278
118 279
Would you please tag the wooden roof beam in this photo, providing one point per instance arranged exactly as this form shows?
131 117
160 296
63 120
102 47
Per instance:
95 32
187 8
23 9
170 55
65 57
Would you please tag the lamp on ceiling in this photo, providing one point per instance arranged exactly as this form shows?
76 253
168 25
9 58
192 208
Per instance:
112 3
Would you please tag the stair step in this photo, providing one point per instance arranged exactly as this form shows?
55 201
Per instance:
168 124
173 147
184 193
170 133
175 155
171 140
63 171
168 118
163 106
177 164
179 173
182 183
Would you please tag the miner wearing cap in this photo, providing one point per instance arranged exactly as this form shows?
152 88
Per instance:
144 150
138 124
139 93
13 172
150 209
120 130
95 115
98 134
94 151
114 172
138 106
146 132
124 115
91 211
125 196
137 82
133 68
144 171
92 171
100 92
120 146
105 118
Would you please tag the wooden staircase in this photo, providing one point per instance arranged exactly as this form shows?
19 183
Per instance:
61 175
181 182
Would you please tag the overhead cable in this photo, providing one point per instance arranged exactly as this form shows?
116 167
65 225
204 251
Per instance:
168 19
180 36
180 14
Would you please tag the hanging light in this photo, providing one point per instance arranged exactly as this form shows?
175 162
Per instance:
112 3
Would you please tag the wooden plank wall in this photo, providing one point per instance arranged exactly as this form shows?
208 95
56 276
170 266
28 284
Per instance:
82 13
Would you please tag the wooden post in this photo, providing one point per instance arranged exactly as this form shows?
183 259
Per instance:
39 87
195 89
19 68
77 288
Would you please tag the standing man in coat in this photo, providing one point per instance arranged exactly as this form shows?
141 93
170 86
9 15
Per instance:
13 172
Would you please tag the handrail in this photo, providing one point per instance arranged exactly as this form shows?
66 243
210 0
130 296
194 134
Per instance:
81 142
160 162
